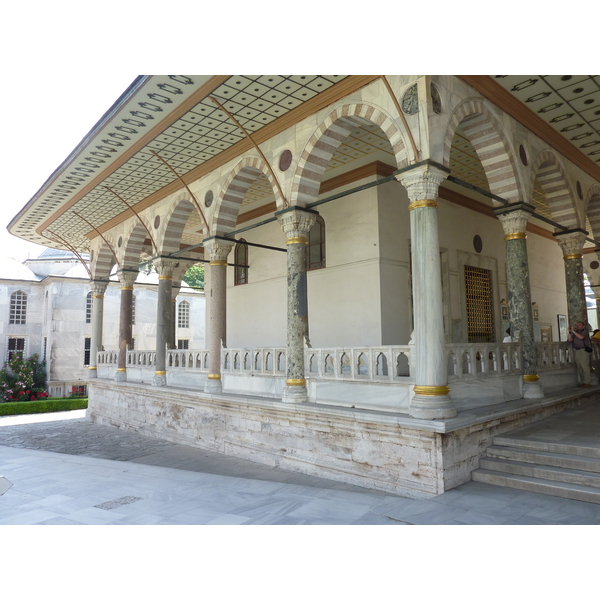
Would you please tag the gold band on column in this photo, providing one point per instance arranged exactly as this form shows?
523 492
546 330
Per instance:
432 390
217 263
100 295
92 368
126 287
570 256
121 370
296 240
159 373
214 376
165 277
295 382
422 204
530 378
521 235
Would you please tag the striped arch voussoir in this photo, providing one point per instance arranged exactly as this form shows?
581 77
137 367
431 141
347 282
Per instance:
103 263
593 210
329 135
234 189
132 246
491 146
168 237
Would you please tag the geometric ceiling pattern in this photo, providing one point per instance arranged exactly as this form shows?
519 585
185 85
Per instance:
568 103
199 134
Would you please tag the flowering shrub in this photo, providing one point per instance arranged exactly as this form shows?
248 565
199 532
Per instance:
23 379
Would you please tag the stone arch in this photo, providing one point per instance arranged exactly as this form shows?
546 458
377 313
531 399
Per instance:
132 247
491 145
104 261
234 189
329 135
551 177
170 233
592 202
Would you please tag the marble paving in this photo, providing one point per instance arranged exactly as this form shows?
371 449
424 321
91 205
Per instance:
68 471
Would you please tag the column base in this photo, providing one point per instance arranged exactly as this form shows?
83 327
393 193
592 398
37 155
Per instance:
121 375
532 389
159 380
213 385
294 394
431 406
92 373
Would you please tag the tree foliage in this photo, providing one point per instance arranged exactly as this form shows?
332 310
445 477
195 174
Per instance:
194 277
23 379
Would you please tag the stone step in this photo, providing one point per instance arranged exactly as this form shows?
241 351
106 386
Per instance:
585 478
591 450
552 459
541 486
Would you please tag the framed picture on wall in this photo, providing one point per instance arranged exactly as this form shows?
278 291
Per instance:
562 328
546 332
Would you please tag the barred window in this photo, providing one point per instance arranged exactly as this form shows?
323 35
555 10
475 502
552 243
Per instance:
133 309
88 308
18 308
87 347
316 245
241 264
183 344
480 312
15 346
183 314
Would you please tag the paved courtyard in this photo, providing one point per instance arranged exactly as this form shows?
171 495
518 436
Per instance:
66 470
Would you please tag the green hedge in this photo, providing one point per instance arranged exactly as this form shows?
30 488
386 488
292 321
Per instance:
42 406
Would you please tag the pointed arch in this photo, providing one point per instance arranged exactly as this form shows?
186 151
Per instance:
234 189
491 145
103 262
330 134
546 168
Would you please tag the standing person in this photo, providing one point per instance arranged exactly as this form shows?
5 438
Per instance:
580 337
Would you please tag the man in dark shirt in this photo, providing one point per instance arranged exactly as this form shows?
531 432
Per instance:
580 337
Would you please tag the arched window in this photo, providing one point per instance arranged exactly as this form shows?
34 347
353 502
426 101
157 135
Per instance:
183 314
18 308
88 308
316 245
241 263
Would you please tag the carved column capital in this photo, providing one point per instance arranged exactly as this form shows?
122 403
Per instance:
571 242
296 223
127 277
514 223
422 182
217 250
165 267
98 287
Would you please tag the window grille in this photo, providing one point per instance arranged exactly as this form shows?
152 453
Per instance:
88 308
480 312
241 264
183 314
15 346
18 308
133 309
87 347
183 344
316 245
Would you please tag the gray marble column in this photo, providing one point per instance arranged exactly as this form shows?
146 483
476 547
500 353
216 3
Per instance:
514 219
164 268
217 251
296 222
98 289
127 278
431 399
571 243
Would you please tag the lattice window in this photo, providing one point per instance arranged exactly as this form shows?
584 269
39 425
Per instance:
183 314
316 245
18 308
480 311
88 308
183 344
241 264
87 348
133 309
15 345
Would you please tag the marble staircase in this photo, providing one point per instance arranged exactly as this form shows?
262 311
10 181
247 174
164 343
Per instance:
557 469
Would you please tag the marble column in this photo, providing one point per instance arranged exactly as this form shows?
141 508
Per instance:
296 222
431 398
98 289
514 219
164 267
571 243
217 251
127 278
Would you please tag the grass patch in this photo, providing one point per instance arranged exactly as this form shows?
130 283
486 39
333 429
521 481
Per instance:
42 406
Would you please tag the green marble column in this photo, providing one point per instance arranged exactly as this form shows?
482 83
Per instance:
431 398
296 222
514 219
164 268
571 243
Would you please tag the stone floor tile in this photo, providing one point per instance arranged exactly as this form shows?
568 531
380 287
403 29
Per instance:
345 512
228 519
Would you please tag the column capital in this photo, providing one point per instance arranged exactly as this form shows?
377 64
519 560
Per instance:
98 287
127 277
218 249
423 180
296 222
514 219
165 266
571 242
